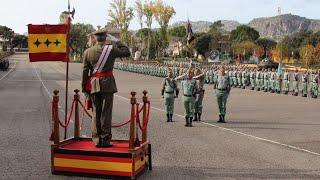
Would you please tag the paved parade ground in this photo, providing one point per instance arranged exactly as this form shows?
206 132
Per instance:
268 136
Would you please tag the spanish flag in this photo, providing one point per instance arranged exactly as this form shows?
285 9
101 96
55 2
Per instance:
48 42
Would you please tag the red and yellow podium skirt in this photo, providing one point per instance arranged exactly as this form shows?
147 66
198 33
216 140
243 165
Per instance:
82 158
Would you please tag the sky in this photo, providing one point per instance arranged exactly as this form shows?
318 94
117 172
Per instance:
19 13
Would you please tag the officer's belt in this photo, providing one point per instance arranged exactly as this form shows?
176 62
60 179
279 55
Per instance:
169 92
103 74
222 89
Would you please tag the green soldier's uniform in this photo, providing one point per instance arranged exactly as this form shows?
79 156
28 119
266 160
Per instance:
266 81
272 81
169 92
315 86
295 84
234 77
286 82
244 79
253 79
222 93
102 90
189 89
258 80
199 99
278 83
304 81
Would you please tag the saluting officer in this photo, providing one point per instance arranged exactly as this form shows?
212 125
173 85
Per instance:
222 92
169 92
100 84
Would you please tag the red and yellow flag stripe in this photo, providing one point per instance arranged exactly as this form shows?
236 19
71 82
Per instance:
48 42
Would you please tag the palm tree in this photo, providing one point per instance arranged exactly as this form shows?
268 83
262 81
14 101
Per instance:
120 16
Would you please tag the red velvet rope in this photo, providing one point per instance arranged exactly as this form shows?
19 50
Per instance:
69 116
145 125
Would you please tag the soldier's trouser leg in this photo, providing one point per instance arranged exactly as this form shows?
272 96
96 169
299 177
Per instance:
286 86
198 104
188 103
102 117
222 101
169 104
315 88
295 90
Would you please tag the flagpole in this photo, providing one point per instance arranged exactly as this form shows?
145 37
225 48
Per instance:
67 82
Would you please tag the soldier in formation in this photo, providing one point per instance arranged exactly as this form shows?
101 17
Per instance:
169 92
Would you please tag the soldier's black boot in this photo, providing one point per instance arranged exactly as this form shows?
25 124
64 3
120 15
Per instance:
171 116
223 119
199 116
168 117
187 121
220 119
195 117
190 122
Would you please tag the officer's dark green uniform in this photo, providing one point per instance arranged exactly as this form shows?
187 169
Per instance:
169 92
102 89
222 93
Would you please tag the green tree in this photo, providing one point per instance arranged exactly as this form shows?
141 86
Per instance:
148 9
267 45
20 41
6 34
120 16
79 37
202 44
216 28
163 13
244 33
308 55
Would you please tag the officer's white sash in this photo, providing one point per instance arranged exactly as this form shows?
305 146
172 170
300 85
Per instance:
95 83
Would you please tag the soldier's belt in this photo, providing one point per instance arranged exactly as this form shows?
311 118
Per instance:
222 89
187 95
169 92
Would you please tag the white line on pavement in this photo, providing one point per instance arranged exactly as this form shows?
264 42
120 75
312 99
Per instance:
9 71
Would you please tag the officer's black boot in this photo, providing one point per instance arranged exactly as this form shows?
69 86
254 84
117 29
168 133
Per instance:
171 116
99 143
195 117
168 117
199 116
187 121
190 122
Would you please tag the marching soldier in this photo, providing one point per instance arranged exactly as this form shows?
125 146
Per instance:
295 83
200 94
222 92
315 84
189 90
286 82
253 79
169 92
100 85
273 81
258 80
278 83
266 80
305 81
